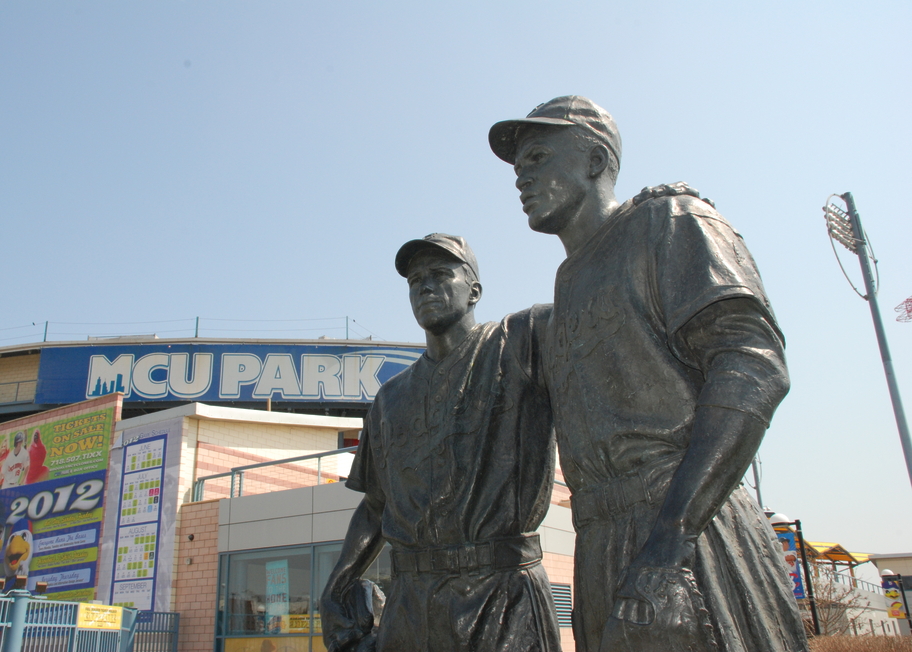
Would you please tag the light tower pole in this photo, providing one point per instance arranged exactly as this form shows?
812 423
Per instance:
845 228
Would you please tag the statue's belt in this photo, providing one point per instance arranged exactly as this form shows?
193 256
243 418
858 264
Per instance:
494 555
600 502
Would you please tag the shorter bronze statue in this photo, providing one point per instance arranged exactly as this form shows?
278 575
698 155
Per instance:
456 466
665 365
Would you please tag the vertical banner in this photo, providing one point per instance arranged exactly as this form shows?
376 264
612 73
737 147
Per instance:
52 478
893 594
277 596
140 522
792 561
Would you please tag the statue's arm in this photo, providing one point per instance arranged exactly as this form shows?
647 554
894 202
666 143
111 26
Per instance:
741 357
362 544
738 350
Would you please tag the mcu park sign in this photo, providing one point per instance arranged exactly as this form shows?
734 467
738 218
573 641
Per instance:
219 372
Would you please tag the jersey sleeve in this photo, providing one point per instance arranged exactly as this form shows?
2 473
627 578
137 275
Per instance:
363 471
700 260
525 336
741 357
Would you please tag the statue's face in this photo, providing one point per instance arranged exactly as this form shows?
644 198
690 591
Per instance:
552 178
440 291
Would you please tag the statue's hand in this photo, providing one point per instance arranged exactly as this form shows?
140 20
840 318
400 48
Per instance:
346 624
368 643
658 609
339 631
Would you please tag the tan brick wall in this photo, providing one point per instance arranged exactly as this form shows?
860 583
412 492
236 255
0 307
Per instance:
560 570
194 587
269 441
18 378
560 567
221 446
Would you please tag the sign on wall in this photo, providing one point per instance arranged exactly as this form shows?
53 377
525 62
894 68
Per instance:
52 499
219 372
138 546
277 596
99 616
893 594
790 555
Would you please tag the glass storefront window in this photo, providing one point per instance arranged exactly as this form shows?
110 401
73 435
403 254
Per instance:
272 595
269 592
326 558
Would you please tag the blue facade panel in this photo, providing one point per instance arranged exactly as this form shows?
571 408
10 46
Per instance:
219 372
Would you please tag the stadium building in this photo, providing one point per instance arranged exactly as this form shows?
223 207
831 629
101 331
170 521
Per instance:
201 476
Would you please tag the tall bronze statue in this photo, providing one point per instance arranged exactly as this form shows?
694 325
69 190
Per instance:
665 365
456 465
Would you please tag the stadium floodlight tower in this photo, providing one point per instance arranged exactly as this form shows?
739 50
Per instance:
844 226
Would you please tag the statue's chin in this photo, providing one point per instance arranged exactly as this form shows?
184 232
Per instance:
542 224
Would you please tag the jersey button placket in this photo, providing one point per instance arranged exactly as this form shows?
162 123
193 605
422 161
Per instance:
436 396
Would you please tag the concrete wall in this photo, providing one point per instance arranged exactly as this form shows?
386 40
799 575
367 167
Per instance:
293 517
321 513
899 564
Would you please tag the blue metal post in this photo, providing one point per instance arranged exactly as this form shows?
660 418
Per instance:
12 642
128 629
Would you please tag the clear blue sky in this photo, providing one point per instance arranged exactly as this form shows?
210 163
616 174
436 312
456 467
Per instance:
166 160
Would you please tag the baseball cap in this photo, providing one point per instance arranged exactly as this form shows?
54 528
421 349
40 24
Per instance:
18 437
451 244
563 111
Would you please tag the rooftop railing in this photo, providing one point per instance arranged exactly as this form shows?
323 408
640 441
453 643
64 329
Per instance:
288 473
854 582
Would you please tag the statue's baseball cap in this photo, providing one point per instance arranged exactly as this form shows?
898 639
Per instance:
565 111
453 245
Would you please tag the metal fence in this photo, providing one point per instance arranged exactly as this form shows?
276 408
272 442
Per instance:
5 605
156 631
51 626
39 625
29 624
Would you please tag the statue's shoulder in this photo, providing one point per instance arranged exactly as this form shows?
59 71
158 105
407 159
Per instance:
680 190
399 383
538 312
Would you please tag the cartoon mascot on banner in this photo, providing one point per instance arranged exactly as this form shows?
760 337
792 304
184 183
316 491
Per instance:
17 551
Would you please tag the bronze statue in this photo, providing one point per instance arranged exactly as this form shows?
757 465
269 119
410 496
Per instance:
456 465
665 365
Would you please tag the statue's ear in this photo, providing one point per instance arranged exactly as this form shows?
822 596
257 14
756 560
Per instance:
475 293
598 159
